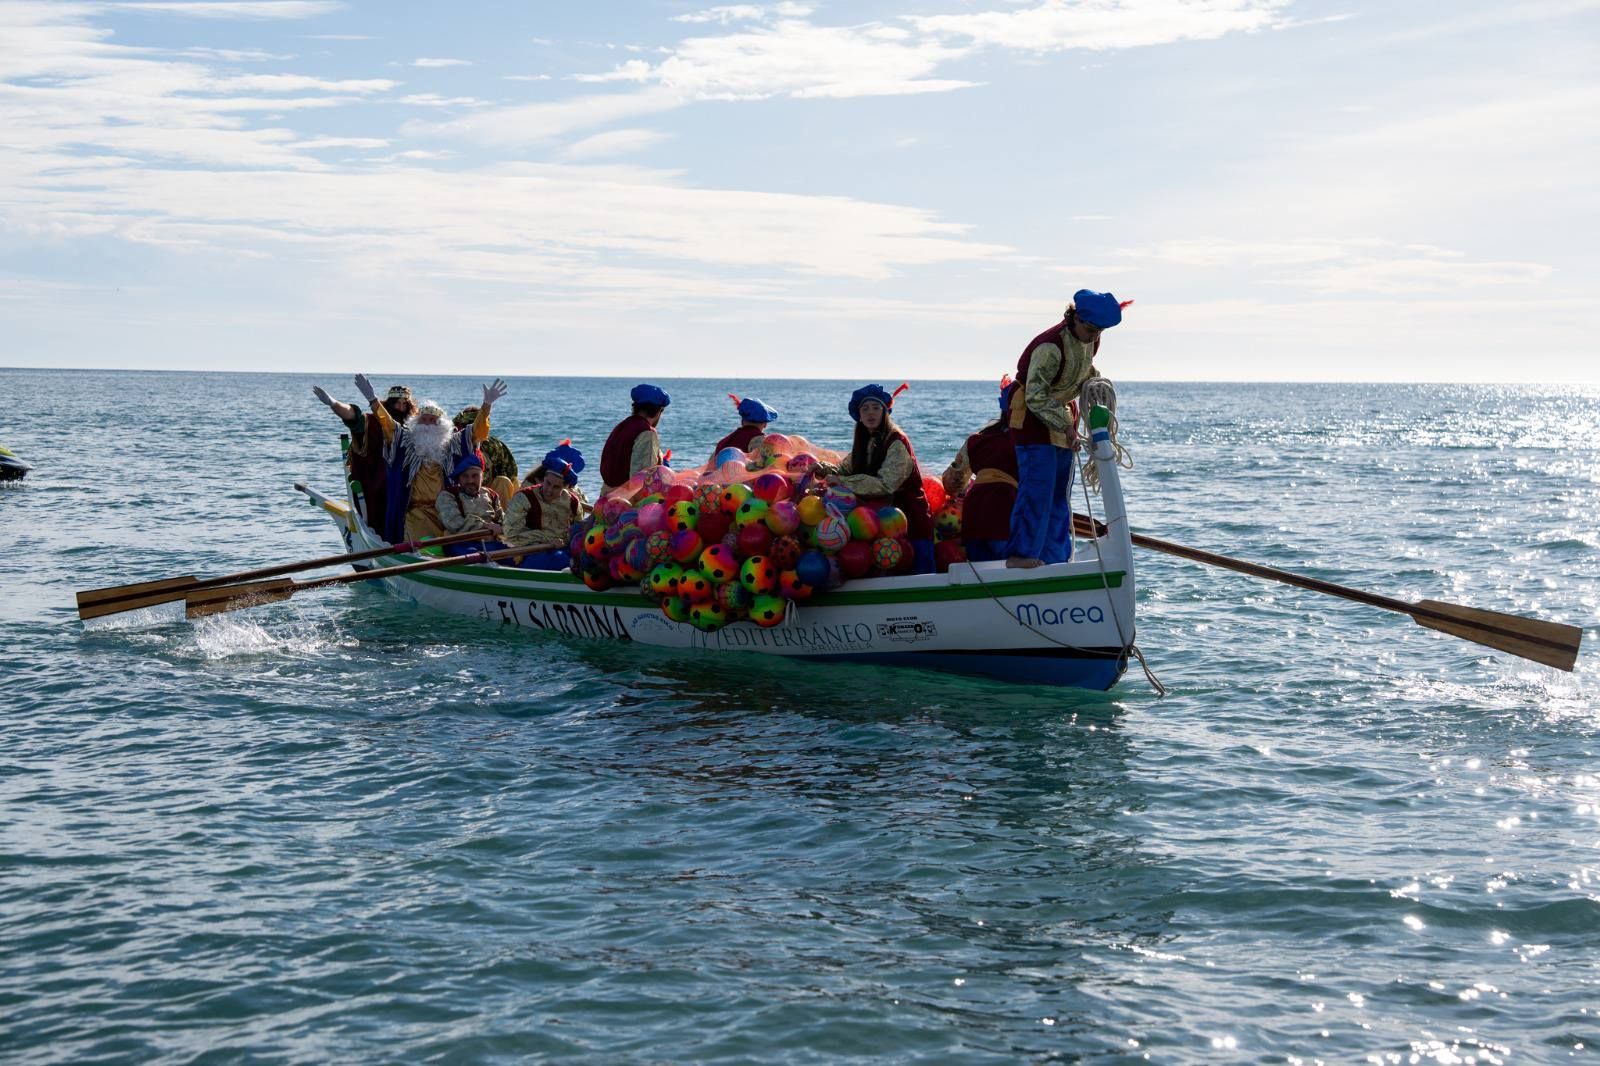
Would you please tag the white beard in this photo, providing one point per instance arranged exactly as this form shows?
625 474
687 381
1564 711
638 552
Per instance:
427 443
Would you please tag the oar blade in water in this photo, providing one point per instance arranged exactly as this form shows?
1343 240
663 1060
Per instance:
1551 643
97 602
237 597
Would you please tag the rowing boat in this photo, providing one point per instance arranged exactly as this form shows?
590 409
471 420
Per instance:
1068 624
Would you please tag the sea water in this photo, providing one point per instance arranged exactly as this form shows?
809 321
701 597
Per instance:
347 829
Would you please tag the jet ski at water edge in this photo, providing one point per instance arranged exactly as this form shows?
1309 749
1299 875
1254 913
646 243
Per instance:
11 468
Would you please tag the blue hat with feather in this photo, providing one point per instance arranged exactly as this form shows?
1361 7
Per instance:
651 394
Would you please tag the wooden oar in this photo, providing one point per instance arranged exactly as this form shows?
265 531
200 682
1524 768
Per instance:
119 598
1551 643
201 602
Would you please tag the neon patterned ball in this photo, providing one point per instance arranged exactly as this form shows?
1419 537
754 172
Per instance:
686 546
947 523
637 554
708 617
833 533
610 507
599 580
768 611
594 543
783 517
771 486
652 518
811 509
675 608
933 489
681 516
733 497
695 587
734 598
759 575
751 510
839 499
886 553
664 579
790 587
863 523
677 492
892 522
801 463
726 456
719 564
708 498
659 545
785 551
657 479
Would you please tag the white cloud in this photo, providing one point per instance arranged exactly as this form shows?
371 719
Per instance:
435 100
234 9
727 14
340 142
1098 25
613 143
294 83
538 123
430 63
527 77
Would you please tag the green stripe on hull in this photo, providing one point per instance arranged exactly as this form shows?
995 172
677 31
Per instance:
560 587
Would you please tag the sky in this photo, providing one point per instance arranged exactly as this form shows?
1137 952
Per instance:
1287 189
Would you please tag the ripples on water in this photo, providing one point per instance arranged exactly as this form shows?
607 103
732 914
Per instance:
331 829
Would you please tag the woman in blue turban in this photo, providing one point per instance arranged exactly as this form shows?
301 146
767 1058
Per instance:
882 470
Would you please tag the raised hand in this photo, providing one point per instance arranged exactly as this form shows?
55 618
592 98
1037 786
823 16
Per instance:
365 387
320 393
493 392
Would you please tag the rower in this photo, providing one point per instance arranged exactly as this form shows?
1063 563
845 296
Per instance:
465 505
989 456
543 511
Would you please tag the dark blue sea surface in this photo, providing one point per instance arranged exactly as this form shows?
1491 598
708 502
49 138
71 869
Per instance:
346 829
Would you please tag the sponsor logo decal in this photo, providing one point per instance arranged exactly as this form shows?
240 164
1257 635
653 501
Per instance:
1032 614
907 629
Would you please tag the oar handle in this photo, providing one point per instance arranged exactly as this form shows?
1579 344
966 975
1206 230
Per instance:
413 568
105 597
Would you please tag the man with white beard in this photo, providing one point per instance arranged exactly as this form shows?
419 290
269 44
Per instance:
419 454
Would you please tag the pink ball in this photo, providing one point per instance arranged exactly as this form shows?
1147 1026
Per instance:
611 508
783 517
652 518
800 464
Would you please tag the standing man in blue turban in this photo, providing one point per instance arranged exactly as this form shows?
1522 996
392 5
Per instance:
1042 412
634 444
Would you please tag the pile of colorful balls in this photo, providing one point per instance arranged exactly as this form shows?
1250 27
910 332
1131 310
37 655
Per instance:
742 538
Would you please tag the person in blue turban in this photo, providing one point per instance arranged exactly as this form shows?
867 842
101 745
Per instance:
466 505
754 416
541 514
1042 413
634 443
